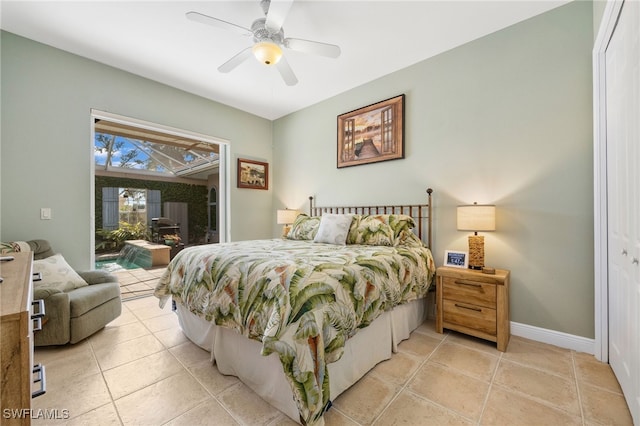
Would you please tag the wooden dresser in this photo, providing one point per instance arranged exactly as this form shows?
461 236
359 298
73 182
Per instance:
16 334
474 303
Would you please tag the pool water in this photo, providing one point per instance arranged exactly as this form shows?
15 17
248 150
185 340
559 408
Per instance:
130 257
113 265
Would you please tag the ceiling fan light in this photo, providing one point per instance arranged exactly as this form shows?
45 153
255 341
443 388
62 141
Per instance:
267 52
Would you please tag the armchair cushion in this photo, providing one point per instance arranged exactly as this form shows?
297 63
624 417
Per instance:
41 249
97 277
42 292
87 298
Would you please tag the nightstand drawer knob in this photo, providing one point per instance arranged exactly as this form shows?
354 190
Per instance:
635 261
624 252
471 308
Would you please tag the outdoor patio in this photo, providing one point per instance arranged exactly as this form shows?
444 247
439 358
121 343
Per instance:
139 282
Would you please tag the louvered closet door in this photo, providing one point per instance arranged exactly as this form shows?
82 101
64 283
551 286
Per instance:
623 161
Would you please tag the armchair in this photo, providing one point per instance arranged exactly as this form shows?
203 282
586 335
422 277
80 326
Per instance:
77 305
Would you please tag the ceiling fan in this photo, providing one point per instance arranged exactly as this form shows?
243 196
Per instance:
268 38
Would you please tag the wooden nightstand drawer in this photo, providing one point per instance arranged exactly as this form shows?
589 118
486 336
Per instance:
471 316
474 303
469 291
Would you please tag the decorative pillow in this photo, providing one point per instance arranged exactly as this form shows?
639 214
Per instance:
57 274
14 247
304 227
333 228
379 230
408 239
371 230
400 222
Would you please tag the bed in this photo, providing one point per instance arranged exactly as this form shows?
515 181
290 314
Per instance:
299 319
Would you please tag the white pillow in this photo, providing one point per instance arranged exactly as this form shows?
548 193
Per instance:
333 228
56 273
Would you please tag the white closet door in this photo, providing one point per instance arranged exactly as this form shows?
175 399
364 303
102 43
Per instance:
623 161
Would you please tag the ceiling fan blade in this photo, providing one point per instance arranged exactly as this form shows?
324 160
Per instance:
286 72
236 60
218 23
278 10
313 47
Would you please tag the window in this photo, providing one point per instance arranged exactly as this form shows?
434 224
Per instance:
123 148
131 156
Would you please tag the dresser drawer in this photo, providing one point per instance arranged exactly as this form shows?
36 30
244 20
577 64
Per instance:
465 314
469 291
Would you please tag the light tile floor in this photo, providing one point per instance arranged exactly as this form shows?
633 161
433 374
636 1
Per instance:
138 282
141 370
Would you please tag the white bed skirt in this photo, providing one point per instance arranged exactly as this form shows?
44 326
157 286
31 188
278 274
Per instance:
238 356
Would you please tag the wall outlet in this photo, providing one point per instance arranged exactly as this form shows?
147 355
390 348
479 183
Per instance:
45 213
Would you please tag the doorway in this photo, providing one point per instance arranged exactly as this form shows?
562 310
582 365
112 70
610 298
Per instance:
165 165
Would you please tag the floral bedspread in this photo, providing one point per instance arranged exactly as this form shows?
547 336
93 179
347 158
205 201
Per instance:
301 299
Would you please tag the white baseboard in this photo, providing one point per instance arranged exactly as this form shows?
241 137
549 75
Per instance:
552 337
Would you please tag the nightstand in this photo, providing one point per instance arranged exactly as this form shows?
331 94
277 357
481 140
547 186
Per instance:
474 303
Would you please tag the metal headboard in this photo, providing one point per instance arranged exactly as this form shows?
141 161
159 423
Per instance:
421 213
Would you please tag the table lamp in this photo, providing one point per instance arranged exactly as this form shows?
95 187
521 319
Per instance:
286 217
476 217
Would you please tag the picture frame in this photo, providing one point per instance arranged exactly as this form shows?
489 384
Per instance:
253 174
456 259
372 133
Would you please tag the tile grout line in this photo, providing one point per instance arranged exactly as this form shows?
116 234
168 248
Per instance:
486 397
578 392
104 380
406 384
102 370
185 368
437 404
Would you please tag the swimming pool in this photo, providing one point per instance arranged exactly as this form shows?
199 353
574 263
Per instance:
115 264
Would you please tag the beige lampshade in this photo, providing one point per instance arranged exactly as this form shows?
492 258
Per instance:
286 217
477 217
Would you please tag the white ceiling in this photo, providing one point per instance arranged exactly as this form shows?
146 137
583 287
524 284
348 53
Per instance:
155 40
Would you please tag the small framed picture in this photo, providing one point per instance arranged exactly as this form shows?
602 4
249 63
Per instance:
253 174
456 259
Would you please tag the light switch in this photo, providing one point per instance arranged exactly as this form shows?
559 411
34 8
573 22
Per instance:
45 213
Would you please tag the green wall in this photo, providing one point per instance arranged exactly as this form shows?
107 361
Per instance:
505 119
47 151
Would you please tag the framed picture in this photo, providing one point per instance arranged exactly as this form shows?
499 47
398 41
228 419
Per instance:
372 133
253 174
456 259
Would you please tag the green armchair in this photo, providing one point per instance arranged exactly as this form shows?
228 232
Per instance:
76 305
